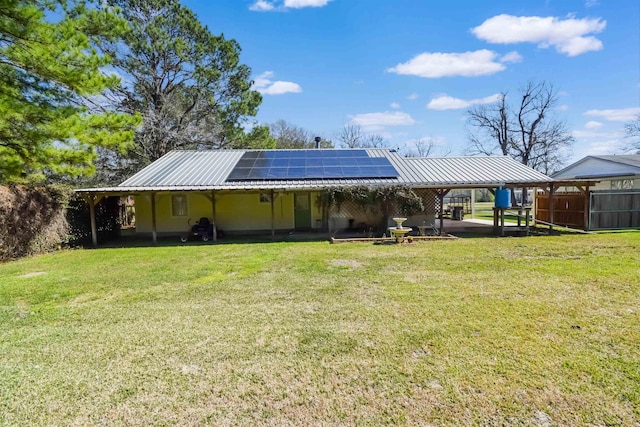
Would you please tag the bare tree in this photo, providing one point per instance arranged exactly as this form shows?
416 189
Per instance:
290 136
352 136
425 147
528 132
633 131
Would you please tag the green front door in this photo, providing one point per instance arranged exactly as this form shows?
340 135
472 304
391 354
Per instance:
302 207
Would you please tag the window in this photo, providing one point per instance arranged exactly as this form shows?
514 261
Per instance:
621 184
179 205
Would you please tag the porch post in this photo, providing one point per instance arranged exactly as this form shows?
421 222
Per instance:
552 191
587 206
585 193
273 220
93 200
473 203
92 214
213 217
441 193
154 232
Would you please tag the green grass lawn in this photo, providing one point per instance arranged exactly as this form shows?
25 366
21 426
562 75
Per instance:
486 331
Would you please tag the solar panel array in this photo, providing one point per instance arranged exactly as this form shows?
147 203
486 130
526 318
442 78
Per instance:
310 164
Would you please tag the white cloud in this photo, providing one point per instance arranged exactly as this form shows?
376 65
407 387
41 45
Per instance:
446 102
605 147
595 142
599 146
616 115
511 57
395 105
261 6
592 125
467 64
378 121
298 4
563 107
568 36
415 96
591 3
266 86
279 5
596 133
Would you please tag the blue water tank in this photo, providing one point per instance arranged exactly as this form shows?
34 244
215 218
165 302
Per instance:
503 198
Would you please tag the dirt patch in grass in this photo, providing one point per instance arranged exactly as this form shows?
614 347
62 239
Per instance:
349 263
32 274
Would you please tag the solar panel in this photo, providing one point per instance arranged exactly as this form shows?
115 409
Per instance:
310 164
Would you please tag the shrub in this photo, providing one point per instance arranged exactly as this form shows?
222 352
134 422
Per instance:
32 219
37 219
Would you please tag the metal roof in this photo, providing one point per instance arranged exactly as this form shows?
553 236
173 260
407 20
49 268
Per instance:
208 170
628 159
601 167
468 171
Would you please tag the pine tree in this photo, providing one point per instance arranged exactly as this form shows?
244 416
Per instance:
48 64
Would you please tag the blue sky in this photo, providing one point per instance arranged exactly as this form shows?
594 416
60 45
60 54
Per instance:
408 69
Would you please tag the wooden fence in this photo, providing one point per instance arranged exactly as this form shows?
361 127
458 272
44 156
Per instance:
568 209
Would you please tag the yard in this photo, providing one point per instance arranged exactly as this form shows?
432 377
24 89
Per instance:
486 331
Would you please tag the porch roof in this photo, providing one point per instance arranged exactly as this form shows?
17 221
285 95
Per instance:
208 170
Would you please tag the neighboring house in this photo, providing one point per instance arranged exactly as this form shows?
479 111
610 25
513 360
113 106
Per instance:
614 202
614 172
257 191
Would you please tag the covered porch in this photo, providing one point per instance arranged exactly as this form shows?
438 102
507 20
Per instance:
274 213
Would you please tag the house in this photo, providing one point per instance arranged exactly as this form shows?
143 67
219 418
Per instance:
270 191
614 172
613 202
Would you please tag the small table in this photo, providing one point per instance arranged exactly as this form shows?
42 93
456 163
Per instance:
498 219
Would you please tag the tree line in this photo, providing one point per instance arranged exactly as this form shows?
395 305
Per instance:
109 86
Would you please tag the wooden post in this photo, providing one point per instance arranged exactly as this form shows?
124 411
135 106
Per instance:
585 193
154 232
534 202
93 200
552 191
587 206
273 218
519 216
213 217
441 193
92 214
473 203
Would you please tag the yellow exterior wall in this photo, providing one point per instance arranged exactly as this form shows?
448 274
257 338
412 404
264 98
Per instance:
198 205
235 211
245 212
